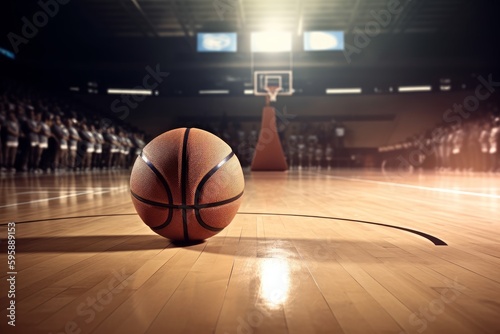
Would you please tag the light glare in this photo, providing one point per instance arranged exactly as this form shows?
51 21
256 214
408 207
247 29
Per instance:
343 90
271 41
414 89
130 91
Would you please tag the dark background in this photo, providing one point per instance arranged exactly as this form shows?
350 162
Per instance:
110 42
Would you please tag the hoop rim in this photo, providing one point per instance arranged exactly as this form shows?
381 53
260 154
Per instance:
273 92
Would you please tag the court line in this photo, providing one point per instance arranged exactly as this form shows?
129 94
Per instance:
58 197
436 241
404 185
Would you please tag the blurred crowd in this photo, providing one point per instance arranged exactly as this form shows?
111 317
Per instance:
305 144
466 145
41 133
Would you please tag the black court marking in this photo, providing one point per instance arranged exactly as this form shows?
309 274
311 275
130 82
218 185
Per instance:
184 176
436 241
198 194
165 185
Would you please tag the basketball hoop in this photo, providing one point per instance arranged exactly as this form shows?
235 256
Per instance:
273 91
273 83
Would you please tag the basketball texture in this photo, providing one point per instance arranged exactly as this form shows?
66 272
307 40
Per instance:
187 184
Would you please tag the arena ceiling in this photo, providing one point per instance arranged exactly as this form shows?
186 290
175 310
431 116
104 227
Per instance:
162 18
468 19
406 35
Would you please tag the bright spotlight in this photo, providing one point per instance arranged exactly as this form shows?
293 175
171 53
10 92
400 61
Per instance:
271 41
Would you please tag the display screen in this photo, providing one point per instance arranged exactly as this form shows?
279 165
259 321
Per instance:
217 42
323 40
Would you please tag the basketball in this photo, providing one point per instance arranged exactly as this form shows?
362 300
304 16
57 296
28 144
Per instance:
187 184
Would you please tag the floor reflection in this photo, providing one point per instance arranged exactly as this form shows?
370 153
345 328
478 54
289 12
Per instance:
275 281
20 193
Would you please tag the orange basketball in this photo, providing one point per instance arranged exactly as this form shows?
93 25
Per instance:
187 184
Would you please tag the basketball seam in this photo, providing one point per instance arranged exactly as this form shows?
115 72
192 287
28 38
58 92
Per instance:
164 182
205 225
150 202
187 206
184 171
208 175
198 193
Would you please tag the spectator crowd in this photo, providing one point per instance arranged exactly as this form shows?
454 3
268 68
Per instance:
465 145
41 133
305 144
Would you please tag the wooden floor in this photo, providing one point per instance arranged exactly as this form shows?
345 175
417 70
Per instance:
85 263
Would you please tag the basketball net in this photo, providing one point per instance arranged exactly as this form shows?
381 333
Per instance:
273 92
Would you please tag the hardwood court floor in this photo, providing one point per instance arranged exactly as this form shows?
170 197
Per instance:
101 270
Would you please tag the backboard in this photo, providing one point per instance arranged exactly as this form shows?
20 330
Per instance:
273 83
